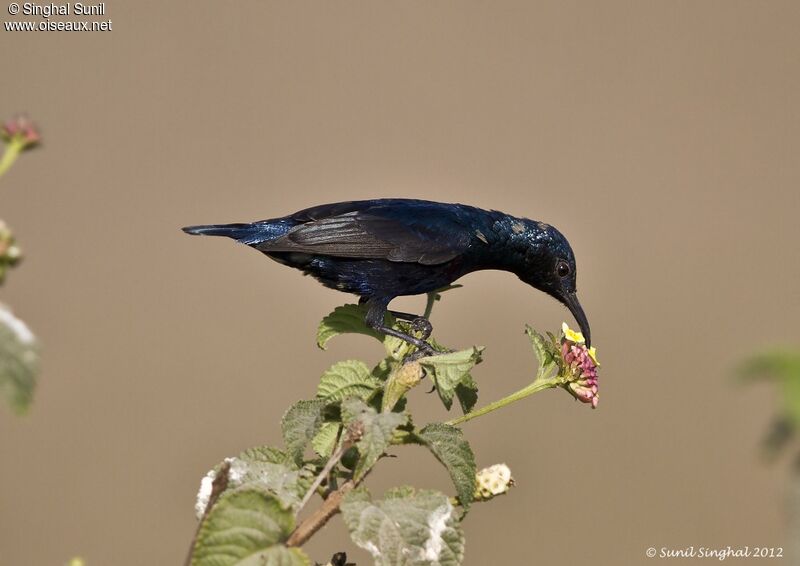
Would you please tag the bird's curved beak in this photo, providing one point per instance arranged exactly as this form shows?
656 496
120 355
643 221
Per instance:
574 306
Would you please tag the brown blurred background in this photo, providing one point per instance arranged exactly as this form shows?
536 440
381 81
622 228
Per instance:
662 138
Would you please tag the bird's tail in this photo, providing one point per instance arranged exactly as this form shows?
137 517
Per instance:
244 233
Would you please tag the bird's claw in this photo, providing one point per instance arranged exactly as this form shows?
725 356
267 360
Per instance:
423 326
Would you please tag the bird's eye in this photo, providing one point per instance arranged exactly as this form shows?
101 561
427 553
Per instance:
562 268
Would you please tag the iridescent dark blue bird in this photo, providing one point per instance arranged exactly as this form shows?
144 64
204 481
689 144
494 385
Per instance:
385 248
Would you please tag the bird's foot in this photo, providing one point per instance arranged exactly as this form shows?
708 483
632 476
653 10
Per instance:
419 324
423 326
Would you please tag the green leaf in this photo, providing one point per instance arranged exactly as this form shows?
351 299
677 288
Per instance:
546 352
448 370
347 319
300 424
325 440
350 378
377 430
467 393
408 527
279 555
240 527
267 454
256 468
19 361
384 368
449 446
264 468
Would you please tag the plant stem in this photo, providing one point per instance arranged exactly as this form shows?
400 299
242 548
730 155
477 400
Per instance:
10 155
332 461
527 391
429 305
317 520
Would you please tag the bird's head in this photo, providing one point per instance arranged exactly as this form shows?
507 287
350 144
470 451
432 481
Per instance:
548 264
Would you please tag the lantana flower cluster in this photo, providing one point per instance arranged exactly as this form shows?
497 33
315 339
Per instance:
21 131
579 365
492 481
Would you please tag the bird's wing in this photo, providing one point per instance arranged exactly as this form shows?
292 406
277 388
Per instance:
414 233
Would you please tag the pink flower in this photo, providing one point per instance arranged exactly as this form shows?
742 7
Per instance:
579 366
21 130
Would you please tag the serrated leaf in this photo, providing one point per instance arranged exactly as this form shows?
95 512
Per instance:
545 350
284 480
300 424
265 468
448 370
407 528
325 440
377 430
449 446
243 524
267 454
19 361
346 319
349 319
467 393
349 378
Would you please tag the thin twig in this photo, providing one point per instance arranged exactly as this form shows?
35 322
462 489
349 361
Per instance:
332 461
527 391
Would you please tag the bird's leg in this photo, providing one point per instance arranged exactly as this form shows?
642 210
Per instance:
374 319
418 323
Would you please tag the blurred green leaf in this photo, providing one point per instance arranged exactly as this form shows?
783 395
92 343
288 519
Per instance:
408 527
449 446
782 366
19 361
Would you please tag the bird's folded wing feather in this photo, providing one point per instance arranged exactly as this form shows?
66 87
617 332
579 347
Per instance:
423 236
